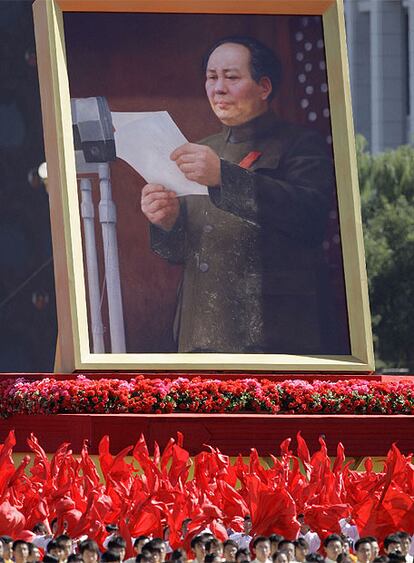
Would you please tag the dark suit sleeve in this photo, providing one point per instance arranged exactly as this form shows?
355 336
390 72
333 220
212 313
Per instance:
293 197
170 244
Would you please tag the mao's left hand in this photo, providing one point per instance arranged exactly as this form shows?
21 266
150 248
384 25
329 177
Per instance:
198 163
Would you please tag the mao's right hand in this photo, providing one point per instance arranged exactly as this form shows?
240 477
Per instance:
160 206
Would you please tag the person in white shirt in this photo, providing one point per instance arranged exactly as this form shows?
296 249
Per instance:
411 552
42 538
311 538
333 545
349 529
261 549
244 538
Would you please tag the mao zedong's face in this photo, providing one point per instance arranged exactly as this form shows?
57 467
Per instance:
234 96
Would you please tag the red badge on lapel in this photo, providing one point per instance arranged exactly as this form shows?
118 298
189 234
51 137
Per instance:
250 159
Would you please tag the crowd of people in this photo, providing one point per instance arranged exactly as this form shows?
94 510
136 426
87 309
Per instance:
152 507
240 547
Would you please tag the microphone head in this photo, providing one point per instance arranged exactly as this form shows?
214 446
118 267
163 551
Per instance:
93 131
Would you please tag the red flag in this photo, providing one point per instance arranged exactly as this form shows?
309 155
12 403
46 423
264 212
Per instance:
11 520
325 519
7 468
41 465
275 513
232 503
303 451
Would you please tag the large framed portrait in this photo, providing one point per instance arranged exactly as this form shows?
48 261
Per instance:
203 185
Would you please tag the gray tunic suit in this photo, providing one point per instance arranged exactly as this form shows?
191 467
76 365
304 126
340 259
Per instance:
251 250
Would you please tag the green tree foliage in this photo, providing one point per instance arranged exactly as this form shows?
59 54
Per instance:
387 196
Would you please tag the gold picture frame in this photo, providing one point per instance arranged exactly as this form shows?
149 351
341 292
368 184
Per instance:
73 353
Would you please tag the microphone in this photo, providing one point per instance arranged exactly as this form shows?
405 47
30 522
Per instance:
93 130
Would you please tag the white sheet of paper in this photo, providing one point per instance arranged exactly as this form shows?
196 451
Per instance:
145 141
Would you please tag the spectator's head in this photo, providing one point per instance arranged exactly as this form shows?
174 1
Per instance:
7 542
53 548
288 547
243 554
89 550
212 558
301 549
139 542
396 557
346 548
50 558
146 551
34 553
304 528
65 542
280 557
117 545
155 554
261 548
20 550
405 540
374 547
214 547
392 543
159 544
40 529
230 548
314 558
184 526
333 545
110 557
275 539
247 525
179 555
207 536
54 525
198 545
363 550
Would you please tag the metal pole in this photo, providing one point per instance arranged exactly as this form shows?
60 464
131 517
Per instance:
107 218
88 216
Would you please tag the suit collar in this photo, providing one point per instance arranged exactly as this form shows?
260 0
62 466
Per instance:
252 129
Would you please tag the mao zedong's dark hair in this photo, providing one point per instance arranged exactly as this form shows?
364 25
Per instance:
263 61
